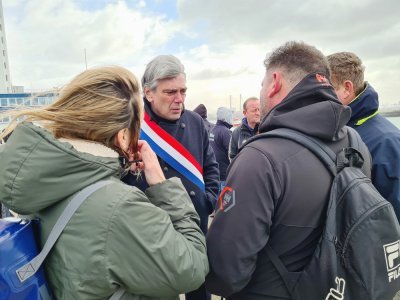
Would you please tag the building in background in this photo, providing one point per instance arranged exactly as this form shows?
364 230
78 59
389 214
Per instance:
15 96
5 78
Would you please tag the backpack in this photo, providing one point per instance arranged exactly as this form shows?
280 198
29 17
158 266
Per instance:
21 274
358 254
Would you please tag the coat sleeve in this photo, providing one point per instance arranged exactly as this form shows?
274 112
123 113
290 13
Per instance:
386 170
233 145
241 226
210 173
155 246
226 140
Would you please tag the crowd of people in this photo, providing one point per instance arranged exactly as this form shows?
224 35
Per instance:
149 232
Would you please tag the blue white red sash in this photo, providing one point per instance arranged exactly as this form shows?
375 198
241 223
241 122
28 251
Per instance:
171 151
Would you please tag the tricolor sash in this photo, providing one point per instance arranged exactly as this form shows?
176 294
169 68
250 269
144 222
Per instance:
171 151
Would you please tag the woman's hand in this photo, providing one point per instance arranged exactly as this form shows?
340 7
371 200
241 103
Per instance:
149 164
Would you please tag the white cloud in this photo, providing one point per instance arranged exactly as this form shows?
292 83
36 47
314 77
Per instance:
47 41
219 78
222 43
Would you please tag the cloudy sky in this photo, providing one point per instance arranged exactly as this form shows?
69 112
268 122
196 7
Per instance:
222 43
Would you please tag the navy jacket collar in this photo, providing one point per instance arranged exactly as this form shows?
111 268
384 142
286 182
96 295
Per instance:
364 105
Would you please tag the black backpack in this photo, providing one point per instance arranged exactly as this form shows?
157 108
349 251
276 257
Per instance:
358 254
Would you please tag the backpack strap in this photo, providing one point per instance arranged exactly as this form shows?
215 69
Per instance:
323 152
290 279
351 156
29 269
334 163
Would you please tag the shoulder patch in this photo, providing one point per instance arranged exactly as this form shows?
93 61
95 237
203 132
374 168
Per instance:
227 199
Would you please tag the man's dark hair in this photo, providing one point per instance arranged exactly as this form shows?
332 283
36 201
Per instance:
201 110
296 60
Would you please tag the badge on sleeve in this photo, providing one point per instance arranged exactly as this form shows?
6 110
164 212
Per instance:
227 199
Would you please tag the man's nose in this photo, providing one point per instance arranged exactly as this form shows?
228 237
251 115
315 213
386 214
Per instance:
179 98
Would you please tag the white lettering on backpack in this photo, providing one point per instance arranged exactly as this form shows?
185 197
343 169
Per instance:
338 292
392 258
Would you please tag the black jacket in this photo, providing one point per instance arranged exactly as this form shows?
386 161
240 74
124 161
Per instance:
239 136
276 193
219 140
189 130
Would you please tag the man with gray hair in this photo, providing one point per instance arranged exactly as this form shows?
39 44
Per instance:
277 191
180 140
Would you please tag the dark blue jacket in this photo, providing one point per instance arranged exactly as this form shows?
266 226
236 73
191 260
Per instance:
383 141
220 137
189 130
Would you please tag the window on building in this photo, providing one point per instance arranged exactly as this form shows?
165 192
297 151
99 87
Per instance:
42 100
4 102
28 102
12 101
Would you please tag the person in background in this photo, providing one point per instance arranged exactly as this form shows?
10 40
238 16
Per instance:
277 191
147 243
202 111
378 133
248 128
219 139
179 138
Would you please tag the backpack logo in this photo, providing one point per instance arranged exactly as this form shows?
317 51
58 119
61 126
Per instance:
338 293
392 257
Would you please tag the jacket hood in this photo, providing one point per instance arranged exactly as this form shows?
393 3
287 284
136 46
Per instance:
37 170
225 114
311 107
201 110
365 104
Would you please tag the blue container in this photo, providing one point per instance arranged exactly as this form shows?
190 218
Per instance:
18 247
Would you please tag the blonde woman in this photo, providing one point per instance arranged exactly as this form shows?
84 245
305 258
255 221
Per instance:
147 243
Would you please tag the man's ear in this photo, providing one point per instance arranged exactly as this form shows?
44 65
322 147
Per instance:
349 93
276 84
148 94
348 85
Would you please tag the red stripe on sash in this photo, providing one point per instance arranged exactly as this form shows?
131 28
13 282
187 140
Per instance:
172 141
